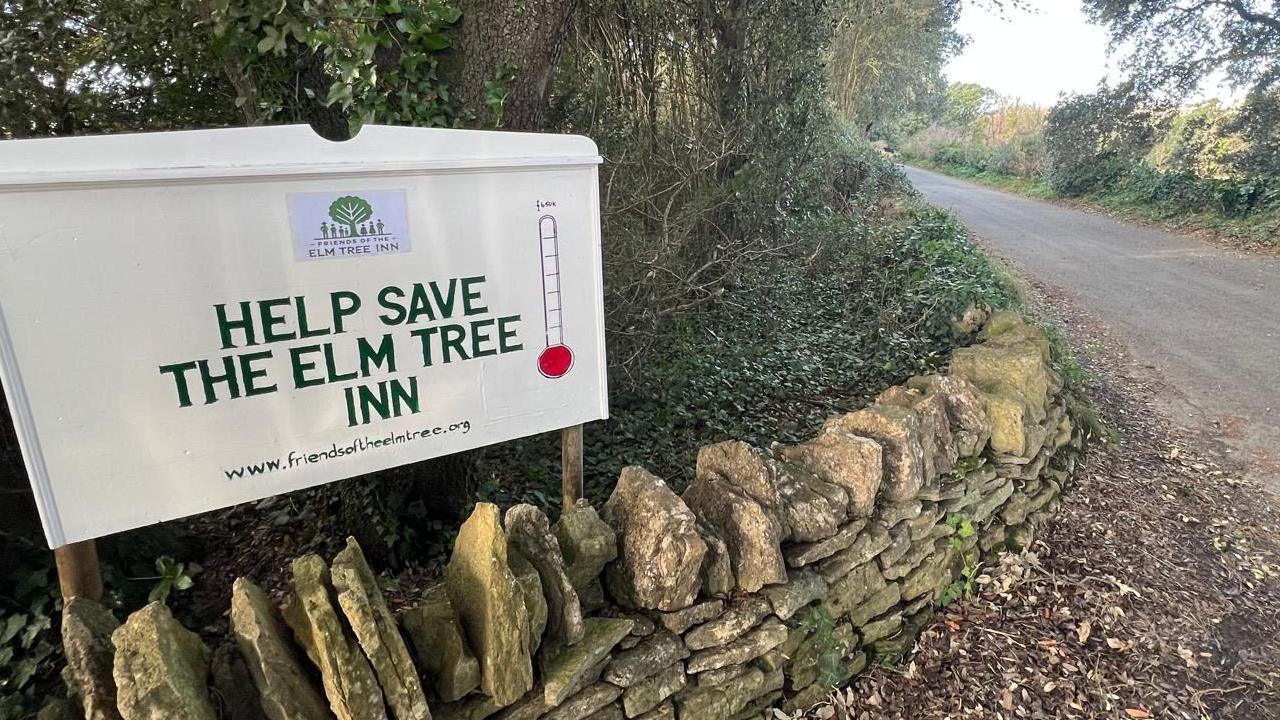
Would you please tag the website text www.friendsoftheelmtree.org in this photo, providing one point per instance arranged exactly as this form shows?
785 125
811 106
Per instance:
358 445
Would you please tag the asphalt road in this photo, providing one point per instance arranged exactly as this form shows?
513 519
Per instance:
1204 320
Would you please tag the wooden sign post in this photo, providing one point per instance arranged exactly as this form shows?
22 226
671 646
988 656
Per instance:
79 574
571 465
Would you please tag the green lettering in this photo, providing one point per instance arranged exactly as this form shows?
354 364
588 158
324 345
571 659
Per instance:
226 325
211 381
383 357
446 303
397 310
451 338
504 334
343 310
420 305
480 334
250 374
179 372
300 366
334 375
424 336
269 320
304 328
469 297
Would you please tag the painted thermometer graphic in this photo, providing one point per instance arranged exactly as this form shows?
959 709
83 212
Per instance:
557 359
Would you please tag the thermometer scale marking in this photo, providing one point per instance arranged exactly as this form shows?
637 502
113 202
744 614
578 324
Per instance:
556 359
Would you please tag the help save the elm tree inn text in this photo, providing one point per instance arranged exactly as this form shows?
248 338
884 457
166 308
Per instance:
441 322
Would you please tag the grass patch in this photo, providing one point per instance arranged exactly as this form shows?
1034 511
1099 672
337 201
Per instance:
1023 186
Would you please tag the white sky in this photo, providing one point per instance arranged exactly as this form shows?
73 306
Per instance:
1032 54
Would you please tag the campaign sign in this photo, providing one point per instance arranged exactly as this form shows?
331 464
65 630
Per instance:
196 319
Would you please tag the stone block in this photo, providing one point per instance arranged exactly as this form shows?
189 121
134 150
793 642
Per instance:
751 533
349 681
530 531
655 652
278 674
853 463
660 551
376 630
897 431
736 620
762 639
86 643
491 606
161 669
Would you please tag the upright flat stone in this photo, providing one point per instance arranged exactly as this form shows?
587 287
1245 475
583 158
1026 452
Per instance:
587 544
745 468
283 687
1010 424
841 458
812 508
376 630
161 669
530 584
529 530
86 642
717 568
750 532
897 431
491 606
911 399
936 437
660 551
445 657
349 681
561 673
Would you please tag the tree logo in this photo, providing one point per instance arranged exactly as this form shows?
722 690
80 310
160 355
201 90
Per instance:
337 225
351 217
350 211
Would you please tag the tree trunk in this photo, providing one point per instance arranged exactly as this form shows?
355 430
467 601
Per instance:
525 36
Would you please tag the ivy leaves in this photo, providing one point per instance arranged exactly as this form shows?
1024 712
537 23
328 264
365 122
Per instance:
28 644
373 61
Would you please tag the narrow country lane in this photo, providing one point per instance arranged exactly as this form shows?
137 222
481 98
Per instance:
1204 320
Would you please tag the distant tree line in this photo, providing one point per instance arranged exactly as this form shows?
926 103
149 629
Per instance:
1137 138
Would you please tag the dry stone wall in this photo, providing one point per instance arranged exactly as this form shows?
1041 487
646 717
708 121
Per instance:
778 574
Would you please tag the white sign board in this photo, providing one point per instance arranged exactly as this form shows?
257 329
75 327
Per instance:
197 319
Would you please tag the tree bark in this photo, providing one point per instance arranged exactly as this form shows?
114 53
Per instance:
524 35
